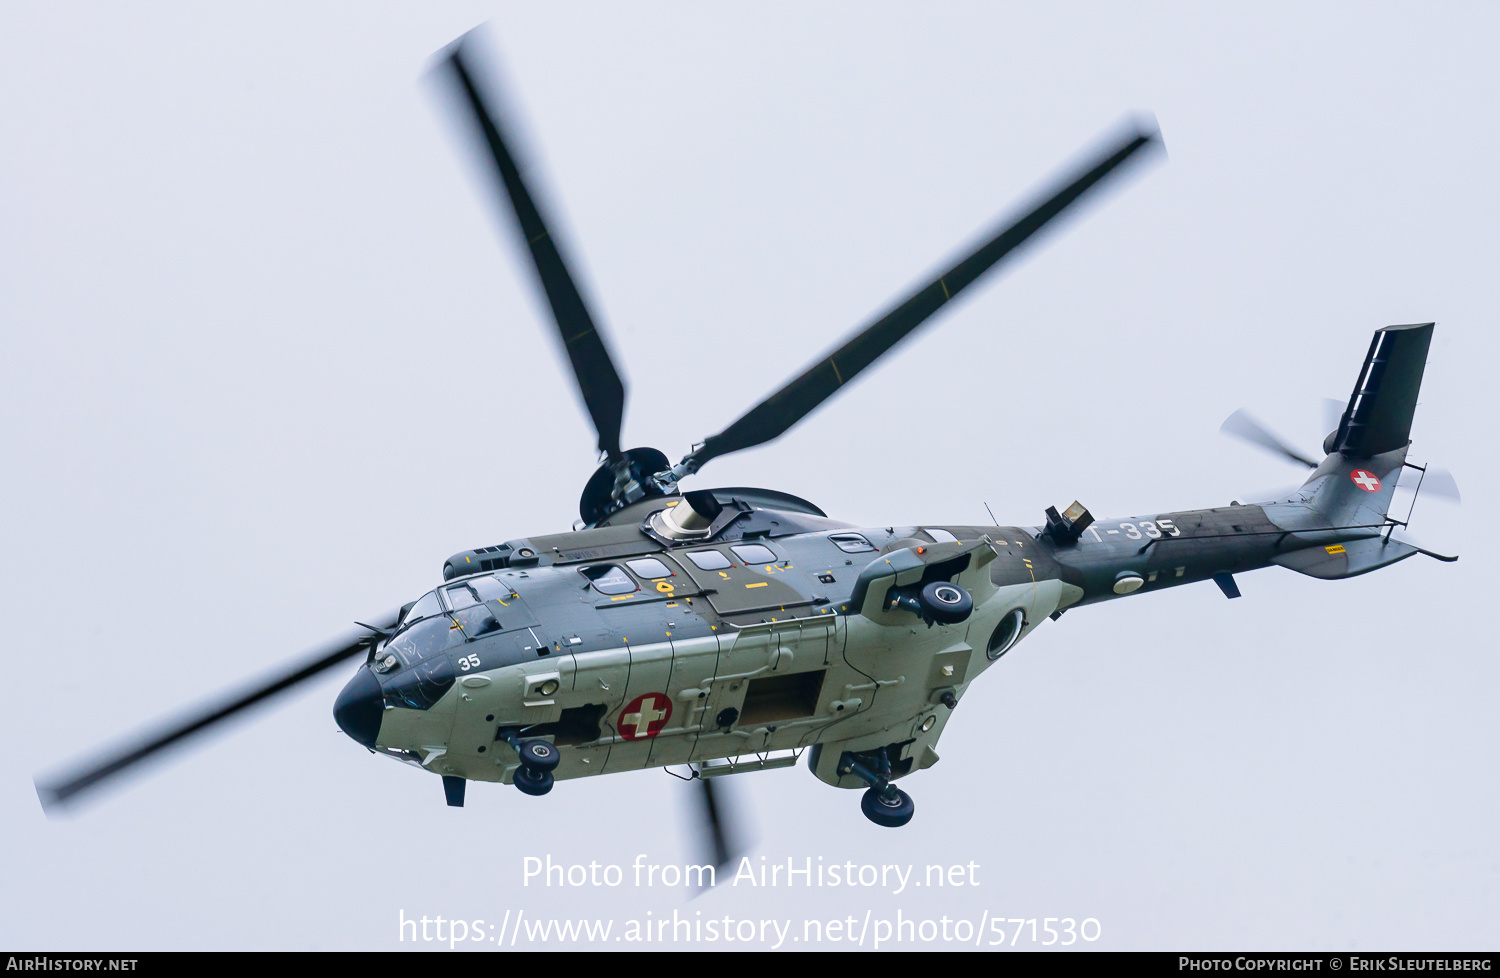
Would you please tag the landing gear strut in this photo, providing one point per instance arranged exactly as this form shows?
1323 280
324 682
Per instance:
538 760
883 803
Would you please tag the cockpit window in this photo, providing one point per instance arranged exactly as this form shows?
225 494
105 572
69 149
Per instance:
488 588
709 560
476 620
851 543
460 596
425 638
609 579
420 688
754 553
940 536
424 607
649 568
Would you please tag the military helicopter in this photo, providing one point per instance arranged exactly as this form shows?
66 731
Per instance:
732 630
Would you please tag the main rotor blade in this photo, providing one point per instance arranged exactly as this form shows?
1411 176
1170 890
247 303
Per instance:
714 823
1240 425
57 793
598 381
776 414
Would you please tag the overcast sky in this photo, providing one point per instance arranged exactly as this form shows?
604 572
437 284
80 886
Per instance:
270 359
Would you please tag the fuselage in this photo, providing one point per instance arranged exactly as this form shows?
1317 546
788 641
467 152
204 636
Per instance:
779 632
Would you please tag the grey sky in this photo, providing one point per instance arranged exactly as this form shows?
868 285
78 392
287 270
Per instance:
269 360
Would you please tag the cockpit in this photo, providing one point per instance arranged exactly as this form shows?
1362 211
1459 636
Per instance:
435 622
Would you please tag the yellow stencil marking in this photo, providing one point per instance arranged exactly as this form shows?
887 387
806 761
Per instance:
761 584
1337 548
622 597
945 289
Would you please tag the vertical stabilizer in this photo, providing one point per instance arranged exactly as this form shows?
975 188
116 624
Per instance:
1377 418
1355 482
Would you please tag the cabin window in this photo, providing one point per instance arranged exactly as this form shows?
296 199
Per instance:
649 568
609 579
852 543
754 553
709 560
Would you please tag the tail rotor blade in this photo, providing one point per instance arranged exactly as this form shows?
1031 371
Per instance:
1436 482
800 397
1333 413
1240 425
57 793
598 379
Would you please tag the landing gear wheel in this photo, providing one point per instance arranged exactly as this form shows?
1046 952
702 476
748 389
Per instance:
892 812
539 755
534 782
946 603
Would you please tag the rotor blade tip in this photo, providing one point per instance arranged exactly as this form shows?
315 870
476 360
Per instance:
1146 128
48 796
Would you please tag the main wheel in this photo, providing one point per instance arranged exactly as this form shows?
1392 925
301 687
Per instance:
946 603
892 812
533 782
539 755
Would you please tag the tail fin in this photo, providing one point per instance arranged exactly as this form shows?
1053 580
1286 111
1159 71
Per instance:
1352 488
1355 482
1378 417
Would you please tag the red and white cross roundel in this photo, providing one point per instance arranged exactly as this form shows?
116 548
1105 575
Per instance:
645 715
1365 480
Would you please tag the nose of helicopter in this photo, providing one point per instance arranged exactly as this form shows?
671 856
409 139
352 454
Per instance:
358 709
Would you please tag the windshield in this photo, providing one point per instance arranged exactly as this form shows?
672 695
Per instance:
424 639
423 607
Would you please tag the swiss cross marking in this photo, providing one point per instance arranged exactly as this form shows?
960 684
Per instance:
645 715
1365 480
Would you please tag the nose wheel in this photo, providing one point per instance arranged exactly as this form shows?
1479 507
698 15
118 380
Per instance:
883 803
533 782
538 760
892 807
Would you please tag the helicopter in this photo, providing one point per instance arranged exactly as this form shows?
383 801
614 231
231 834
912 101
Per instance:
737 630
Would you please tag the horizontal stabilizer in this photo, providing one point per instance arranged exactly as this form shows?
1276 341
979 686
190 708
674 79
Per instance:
1340 560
